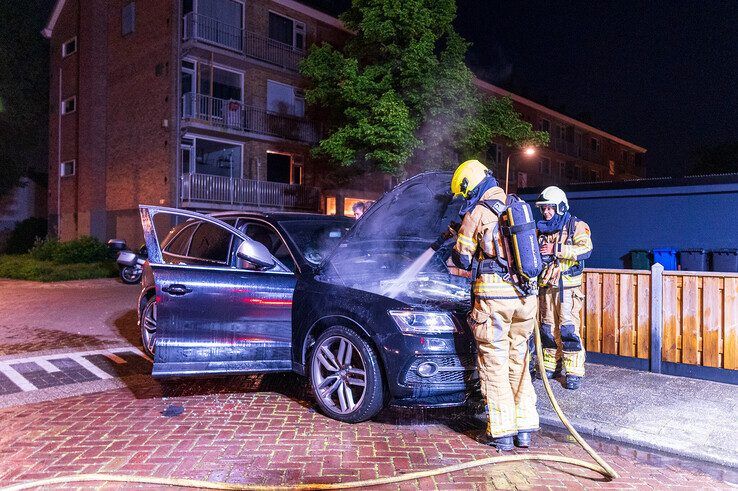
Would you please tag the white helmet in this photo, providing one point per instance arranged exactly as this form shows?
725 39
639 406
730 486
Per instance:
555 197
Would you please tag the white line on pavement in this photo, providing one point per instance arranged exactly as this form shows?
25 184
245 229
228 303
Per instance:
47 365
16 378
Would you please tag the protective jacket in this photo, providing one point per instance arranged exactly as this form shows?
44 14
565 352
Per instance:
573 246
475 242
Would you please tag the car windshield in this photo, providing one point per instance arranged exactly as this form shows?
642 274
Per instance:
316 238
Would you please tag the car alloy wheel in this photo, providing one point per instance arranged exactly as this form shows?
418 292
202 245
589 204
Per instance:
345 376
131 274
148 326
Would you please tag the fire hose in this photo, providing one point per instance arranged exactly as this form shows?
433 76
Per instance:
600 467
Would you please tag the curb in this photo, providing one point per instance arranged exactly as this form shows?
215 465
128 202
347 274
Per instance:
648 441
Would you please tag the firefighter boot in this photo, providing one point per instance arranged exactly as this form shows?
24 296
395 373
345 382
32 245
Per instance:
573 382
501 443
522 439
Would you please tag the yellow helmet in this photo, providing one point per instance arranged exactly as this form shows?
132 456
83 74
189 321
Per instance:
467 176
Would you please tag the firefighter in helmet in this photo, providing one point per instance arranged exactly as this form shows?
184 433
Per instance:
565 243
502 319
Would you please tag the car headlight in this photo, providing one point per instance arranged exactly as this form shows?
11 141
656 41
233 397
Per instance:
411 322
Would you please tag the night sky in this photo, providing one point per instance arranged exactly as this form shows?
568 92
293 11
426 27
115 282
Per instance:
662 74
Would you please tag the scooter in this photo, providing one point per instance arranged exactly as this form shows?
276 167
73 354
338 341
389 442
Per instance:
130 263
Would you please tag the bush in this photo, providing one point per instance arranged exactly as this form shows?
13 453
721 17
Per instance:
26 267
83 250
25 234
45 249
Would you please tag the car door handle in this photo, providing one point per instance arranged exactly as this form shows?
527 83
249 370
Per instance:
176 289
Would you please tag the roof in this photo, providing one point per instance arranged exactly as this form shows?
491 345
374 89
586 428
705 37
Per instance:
486 86
334 22
280 216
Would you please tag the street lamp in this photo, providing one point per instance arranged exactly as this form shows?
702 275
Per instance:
527 151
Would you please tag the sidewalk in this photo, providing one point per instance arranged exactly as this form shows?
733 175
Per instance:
687 417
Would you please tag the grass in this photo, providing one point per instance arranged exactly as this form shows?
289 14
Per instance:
25 267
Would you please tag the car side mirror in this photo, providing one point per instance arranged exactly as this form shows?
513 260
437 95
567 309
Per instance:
256 253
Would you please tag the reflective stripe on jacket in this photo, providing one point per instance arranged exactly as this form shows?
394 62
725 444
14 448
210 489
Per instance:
571 252
476 240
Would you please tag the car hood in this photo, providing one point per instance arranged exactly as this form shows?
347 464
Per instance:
391 237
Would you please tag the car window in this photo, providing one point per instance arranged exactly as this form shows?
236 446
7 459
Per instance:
181 242
210 243
271 240
317 238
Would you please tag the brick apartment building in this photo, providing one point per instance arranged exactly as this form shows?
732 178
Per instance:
199 104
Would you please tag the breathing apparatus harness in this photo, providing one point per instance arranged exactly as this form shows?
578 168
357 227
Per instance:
552 273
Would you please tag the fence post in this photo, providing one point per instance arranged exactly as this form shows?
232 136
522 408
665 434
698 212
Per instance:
657 316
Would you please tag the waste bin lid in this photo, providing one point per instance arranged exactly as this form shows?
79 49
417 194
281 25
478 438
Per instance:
700 251
665 250
725 251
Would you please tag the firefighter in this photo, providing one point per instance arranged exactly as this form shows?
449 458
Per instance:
502 318
565 243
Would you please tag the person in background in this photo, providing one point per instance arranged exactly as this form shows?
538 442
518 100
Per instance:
502 318
358 208
565 243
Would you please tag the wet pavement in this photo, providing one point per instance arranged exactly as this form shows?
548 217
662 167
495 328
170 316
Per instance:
92 407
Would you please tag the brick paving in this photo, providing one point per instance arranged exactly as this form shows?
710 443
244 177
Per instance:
264 430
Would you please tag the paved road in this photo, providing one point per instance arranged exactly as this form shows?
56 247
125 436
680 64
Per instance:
102 412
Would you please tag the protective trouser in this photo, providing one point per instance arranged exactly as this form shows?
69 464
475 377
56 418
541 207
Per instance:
560 334
501 328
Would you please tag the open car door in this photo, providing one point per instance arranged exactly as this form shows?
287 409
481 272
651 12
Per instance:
224 303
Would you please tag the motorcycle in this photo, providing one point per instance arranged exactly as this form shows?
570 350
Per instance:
130 264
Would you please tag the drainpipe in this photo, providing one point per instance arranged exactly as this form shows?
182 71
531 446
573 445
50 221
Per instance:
58 157
177 126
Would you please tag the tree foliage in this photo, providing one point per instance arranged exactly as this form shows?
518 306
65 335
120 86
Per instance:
398 93
24 92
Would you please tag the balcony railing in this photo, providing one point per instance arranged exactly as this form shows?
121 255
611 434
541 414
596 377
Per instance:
206 188
237 116
206 29
212 31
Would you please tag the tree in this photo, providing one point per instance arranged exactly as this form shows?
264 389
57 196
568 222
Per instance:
399 95
24 90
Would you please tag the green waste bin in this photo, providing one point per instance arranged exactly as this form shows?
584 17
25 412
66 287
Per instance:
639 260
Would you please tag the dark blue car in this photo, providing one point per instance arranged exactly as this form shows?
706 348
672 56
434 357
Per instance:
348 305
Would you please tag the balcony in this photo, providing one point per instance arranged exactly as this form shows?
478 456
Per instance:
211 31
236 116
201 189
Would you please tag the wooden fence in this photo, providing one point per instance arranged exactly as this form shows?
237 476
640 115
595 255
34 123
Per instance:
696 324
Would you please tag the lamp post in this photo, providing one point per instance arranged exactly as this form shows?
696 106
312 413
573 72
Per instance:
527 151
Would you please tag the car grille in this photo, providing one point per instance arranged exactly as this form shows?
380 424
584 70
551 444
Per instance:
452 370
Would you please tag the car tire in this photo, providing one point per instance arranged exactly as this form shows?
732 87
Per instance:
131 275
345 376
147 323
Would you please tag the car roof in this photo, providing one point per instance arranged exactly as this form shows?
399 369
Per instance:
279 216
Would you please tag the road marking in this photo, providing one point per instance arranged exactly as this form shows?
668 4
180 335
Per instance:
90 367
47 365
117 359
15 377
44 362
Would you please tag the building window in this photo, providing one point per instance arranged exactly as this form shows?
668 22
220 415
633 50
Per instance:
545 125
68 168
69 47
225 85
330 205
348 205
594 175
594 144
285 99
297 169
128 18
562 170
287 31
611 167
494 157
69 105
562 132
218 158
577 172
544 166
